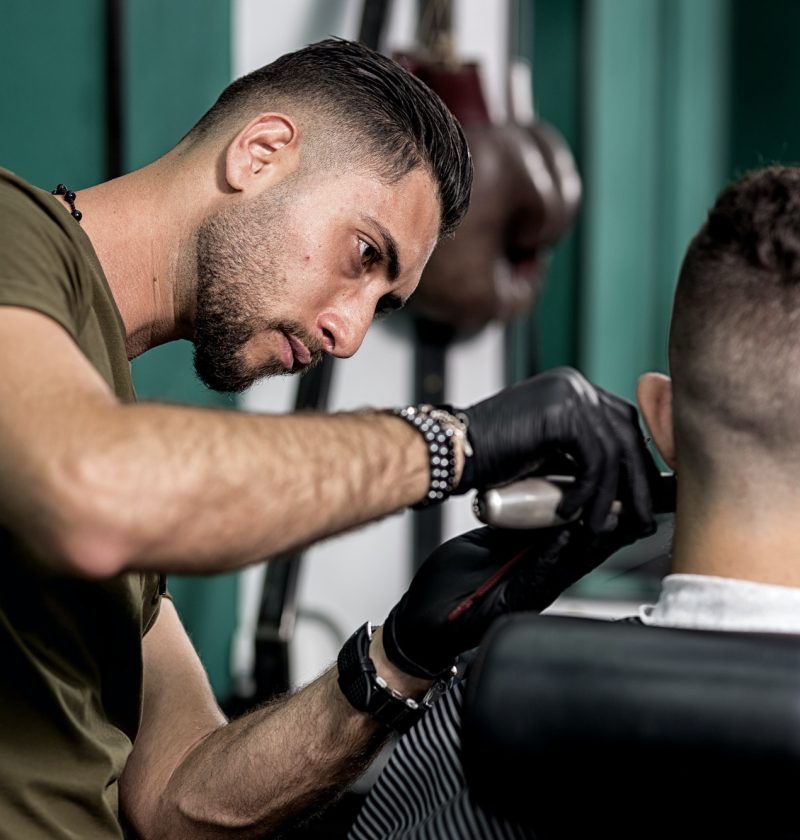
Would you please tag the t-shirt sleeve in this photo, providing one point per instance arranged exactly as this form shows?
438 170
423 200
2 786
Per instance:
39 262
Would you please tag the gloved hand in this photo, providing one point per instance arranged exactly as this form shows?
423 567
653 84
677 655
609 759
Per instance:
560 412
470 581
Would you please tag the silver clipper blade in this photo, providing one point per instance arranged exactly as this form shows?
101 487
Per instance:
530 503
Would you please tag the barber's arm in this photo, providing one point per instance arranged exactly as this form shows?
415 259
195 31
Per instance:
192 776
103 487
95 487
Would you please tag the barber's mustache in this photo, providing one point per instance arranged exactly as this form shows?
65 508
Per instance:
316 358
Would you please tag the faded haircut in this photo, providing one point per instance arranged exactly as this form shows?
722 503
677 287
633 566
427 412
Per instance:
735 335
394 122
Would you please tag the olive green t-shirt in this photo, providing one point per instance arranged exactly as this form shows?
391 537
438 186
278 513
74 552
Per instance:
70 649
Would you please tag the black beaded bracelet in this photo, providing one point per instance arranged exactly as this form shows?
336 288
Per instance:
439 439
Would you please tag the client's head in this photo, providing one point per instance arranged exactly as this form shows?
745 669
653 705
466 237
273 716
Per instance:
730 420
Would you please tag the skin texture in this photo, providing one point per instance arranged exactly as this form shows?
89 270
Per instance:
140 487
737 525
229 335
259 225
191 776
142 484
310 257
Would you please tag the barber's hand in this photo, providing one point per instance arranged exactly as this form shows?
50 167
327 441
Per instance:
560 412
470 581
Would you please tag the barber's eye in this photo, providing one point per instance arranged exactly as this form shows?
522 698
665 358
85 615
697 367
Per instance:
369 254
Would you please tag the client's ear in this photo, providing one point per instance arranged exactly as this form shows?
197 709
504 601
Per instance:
654 395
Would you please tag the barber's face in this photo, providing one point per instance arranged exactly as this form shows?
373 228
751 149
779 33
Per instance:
303 269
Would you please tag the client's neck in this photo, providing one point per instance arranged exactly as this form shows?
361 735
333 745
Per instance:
746 535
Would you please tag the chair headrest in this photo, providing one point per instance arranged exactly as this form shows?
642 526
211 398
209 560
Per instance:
564 716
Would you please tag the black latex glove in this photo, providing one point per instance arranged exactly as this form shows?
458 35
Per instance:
561 412
473 579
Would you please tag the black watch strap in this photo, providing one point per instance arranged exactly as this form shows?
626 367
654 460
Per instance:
368 692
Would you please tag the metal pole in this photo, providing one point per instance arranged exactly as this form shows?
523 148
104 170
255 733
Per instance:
114 43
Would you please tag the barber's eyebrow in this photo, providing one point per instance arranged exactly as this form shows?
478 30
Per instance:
389 247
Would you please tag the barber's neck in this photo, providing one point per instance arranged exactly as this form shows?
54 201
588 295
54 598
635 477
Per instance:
750 534
142 227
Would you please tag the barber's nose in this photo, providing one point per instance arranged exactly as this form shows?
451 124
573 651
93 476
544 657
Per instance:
343 329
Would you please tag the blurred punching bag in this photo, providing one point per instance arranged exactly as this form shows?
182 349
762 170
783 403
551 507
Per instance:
525 194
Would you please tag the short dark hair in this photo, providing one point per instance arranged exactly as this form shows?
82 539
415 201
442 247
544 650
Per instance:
400 123
735 334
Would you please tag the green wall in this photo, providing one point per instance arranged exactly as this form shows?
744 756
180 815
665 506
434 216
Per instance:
765 125
655 99
555 50
663 102
51 97
640 89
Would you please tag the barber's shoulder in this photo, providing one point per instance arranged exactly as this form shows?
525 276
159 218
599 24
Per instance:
25 206
42 265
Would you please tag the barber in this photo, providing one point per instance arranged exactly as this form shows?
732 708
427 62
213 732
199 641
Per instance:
263 239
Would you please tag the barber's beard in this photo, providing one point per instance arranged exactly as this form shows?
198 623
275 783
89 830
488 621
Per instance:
231 280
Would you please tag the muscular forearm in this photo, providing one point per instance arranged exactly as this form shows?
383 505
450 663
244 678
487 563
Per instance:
193 490
262 772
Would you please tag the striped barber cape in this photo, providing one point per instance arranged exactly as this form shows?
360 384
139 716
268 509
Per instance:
422 793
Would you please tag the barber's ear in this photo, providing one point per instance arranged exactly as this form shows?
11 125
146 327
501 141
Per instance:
265 150
654 395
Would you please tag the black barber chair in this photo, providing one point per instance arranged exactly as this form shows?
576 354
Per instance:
580 728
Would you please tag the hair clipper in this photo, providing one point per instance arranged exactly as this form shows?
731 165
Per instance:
532 502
